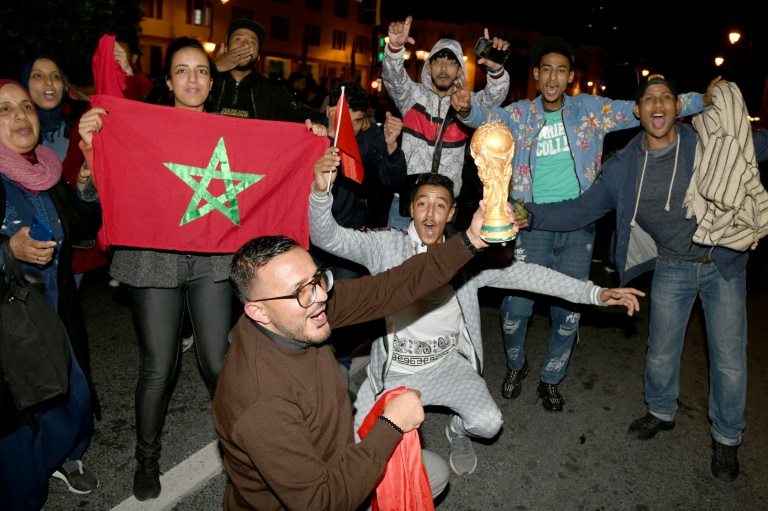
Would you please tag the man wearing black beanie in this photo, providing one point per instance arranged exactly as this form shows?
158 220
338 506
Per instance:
240 91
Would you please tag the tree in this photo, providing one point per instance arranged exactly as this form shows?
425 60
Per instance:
67 31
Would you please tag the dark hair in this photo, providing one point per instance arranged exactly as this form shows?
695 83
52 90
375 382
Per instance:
433 179
444 53
253 256
159 94
179 44
357 98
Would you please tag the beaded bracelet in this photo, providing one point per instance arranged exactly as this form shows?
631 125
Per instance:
397 428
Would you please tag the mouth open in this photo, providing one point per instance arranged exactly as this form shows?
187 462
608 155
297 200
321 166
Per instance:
319 318
658 120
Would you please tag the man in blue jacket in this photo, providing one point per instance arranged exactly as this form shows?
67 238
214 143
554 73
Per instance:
646 184
558 152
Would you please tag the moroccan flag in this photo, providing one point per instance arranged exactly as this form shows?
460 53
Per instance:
175 179
405 485
108 77
351 163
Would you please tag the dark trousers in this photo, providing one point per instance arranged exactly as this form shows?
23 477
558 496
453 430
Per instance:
158 315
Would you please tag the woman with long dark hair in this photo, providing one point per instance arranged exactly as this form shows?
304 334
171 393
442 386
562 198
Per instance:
160 282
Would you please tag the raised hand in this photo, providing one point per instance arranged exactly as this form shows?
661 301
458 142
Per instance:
461 99
319 130
393 126
499 44
708 95
326 169
89 123
398 33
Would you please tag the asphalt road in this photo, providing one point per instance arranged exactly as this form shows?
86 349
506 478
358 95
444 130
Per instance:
580 459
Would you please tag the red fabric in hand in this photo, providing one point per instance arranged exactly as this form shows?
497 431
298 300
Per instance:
405 486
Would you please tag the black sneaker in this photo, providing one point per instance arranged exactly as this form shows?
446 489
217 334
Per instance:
511 387
78 479
647 426
725 461
146 480
552 400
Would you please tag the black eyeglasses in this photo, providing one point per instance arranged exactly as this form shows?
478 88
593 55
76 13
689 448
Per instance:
307 293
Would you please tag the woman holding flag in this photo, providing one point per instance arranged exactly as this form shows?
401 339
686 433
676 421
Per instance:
160 282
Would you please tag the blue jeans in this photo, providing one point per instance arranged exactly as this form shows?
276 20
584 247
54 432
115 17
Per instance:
674 289
566 252
395 220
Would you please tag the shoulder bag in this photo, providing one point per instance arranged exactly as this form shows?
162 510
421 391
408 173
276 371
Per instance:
34 350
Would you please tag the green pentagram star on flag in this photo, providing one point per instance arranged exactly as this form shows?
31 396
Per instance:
218 159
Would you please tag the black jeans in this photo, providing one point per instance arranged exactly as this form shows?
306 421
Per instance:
158 314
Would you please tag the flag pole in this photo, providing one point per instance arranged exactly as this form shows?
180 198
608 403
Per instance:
340 104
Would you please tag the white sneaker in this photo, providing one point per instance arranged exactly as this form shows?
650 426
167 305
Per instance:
187 343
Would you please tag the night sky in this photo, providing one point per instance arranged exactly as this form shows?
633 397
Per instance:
678 39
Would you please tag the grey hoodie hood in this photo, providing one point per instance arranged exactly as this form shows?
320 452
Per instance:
443 44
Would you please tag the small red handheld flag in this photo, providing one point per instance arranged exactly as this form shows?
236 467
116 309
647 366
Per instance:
351 163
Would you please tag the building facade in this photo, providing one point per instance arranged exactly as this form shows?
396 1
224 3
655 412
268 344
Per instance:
336 38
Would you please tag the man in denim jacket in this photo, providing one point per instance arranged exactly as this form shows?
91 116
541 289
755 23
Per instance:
558 151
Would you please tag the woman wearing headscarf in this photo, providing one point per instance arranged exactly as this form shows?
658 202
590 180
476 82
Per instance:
50 437
59 115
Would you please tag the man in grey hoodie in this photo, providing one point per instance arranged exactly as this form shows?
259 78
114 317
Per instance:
432 137
434 344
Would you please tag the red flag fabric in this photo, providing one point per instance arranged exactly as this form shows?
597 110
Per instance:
351 162
405 485
175 179
108 77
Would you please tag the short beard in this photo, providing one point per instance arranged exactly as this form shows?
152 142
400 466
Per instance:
443 88
297 332
248 66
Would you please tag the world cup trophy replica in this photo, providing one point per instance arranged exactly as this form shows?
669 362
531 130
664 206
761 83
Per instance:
492 148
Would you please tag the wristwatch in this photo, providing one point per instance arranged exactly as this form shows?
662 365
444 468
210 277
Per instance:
472 248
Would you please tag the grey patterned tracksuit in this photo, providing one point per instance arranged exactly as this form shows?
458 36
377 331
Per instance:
456 381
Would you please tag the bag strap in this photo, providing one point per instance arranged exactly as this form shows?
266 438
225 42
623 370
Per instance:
12 266
439 144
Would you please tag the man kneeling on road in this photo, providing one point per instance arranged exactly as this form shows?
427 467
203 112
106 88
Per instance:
282 411
434 344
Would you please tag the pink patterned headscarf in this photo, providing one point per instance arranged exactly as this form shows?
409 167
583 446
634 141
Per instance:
37 170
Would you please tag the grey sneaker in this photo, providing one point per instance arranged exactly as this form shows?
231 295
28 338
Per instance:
463 459
77 478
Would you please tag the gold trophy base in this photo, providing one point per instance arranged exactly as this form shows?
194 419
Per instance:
497 231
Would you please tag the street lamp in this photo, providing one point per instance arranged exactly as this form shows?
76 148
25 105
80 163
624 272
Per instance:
719 61
734 37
